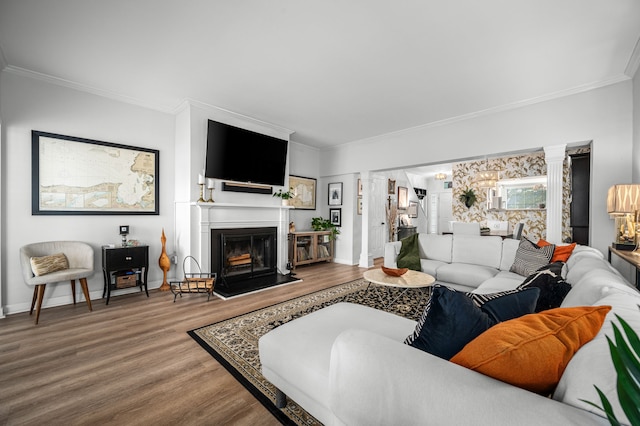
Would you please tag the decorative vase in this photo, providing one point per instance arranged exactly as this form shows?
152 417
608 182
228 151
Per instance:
165 263
285 202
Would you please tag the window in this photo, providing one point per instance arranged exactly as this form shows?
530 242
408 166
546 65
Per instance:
523 193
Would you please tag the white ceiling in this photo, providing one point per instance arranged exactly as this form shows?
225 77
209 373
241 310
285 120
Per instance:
332 71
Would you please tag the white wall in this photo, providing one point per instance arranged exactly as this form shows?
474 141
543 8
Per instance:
603 115
28 104
636 127
303 161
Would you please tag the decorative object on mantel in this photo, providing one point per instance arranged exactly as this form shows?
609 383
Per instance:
622 204
211 185
286 196
201 185
468 197
165 263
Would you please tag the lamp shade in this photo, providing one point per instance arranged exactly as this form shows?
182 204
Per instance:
487 178
622 199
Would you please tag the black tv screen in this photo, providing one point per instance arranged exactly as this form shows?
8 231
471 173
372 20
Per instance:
244 156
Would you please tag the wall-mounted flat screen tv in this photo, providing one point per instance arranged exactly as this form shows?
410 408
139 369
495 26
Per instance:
241 155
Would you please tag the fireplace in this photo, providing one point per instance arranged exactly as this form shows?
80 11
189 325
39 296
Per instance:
243 257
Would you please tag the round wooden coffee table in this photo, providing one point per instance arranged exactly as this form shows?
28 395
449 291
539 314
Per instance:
410 279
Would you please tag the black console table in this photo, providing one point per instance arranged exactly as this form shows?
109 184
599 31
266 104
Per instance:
124 267
630 257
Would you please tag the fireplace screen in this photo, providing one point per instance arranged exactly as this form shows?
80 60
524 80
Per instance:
244 253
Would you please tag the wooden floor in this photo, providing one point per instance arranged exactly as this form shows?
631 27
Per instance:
132 362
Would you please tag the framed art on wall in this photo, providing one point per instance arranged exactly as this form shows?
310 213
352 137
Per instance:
391 186
335 194
77 176
335 217
403 198
412 211
304 190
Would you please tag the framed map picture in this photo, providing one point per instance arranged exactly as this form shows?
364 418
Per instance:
304 192
76 176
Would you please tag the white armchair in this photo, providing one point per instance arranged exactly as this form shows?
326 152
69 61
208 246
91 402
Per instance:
79 257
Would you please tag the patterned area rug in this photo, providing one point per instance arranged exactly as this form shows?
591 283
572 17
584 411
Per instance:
234 342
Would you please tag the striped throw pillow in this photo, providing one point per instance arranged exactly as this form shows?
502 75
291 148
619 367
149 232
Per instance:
530 257
47 264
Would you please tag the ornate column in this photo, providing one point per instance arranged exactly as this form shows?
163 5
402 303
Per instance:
366 260
554 157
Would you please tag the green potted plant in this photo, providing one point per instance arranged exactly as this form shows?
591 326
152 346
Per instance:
468 197
625 355
320 224
285 195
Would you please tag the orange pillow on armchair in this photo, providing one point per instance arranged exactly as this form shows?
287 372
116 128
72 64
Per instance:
561 253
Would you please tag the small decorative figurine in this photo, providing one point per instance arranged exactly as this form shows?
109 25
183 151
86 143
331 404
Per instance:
165 263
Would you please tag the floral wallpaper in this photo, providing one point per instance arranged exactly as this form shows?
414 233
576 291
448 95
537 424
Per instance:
525 165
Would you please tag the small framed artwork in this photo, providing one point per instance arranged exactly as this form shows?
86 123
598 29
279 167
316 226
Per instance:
413 209
360 204
359 186
335 194
448 185
391 186
403 198
335 216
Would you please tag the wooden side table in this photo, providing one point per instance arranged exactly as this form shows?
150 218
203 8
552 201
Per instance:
124 267
631 257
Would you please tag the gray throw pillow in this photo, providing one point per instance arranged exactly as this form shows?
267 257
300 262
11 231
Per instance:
530 257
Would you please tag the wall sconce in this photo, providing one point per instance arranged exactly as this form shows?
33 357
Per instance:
440 176
622 205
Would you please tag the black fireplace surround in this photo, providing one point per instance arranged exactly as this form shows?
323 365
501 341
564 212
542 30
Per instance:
245 259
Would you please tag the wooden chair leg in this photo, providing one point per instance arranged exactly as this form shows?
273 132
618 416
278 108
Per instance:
41 288
33 300
85 290
73 290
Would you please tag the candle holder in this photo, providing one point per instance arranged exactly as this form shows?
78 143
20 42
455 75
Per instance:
201 184
201 199
211 185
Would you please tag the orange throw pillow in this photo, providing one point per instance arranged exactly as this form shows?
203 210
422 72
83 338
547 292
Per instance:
532 351
561 253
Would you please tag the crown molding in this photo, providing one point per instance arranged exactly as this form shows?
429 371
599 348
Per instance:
634 61
88 89
235 115
489 111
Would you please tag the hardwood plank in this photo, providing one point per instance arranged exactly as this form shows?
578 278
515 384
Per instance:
132 362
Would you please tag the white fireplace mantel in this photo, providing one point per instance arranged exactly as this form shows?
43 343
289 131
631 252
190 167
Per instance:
194 226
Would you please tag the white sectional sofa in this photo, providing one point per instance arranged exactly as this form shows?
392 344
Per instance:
464 262
347 364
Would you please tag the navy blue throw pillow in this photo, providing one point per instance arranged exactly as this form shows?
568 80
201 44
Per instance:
452 319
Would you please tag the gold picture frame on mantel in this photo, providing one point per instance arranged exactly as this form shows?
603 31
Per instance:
304 192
